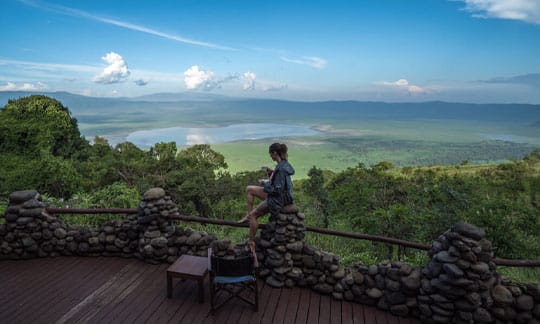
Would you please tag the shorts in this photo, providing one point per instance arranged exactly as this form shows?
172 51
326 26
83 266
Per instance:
261 209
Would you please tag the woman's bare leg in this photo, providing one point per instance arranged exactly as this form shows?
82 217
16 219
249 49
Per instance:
251 193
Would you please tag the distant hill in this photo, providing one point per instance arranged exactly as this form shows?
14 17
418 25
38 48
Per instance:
221 108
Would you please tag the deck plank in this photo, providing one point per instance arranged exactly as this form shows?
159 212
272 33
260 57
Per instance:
73 289
303 306
292 306
270 309
313 312
135 300
281 309
27 294
346 313
335 311
116 290
324 309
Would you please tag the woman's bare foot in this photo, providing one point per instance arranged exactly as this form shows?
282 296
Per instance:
245 219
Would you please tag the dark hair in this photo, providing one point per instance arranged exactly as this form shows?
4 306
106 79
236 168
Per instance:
281 149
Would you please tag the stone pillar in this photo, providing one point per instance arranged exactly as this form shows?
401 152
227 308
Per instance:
155 226
280 247
459 278
29 231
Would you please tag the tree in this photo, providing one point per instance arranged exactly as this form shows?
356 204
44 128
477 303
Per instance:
314 187
195 183
38 124
40 143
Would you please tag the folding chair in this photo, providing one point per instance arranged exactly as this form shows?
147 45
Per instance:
237 277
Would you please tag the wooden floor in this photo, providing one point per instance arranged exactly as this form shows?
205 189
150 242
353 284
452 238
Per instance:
116 290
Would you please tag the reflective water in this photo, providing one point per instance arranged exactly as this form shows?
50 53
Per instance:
235 132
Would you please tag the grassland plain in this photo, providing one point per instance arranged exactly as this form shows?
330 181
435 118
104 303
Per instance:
401 142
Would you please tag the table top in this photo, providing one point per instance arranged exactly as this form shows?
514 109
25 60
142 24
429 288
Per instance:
190 265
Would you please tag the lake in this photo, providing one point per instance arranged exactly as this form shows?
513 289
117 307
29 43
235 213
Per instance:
212 135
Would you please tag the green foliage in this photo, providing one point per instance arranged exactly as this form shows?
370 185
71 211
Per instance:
314 187
38 124
42 149
116 195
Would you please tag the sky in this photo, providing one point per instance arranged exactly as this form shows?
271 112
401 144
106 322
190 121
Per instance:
483 51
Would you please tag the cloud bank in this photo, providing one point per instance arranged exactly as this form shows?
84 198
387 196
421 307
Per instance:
532 79
403 84
116 71
524 10
10 86
196 78
313 61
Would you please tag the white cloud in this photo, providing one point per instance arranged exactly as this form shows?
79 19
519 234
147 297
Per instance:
192 139
140 82
249 80
10 86
313 61
49 66
195 78
524 10
274 87
198 79
83 14
404 85
116 71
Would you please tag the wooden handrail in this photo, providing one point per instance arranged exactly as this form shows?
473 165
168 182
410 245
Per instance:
203 220
127 211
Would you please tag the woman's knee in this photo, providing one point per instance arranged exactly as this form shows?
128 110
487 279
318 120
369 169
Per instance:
251 189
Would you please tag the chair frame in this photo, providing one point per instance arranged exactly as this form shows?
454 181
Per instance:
234 289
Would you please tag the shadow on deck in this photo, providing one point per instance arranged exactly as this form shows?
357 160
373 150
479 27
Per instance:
115 290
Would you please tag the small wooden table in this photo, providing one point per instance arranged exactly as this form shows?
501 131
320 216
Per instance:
188 267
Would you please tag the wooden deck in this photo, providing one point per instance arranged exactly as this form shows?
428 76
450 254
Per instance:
116 290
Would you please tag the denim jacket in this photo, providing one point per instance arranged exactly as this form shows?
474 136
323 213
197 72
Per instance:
279 189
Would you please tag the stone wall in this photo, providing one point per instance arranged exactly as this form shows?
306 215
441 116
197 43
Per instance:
459 284
29 232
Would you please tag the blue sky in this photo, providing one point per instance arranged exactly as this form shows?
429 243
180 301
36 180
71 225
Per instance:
458 50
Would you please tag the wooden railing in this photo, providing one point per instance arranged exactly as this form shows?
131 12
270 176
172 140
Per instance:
360 236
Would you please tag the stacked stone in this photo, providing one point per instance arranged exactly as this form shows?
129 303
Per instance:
518 303
390 286
188 241
119 237
159 239
29 231
155 226
458 278
224 249
280 247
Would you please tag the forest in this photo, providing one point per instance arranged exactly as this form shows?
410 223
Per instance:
41 148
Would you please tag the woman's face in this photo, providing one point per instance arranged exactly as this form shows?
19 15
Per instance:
274 155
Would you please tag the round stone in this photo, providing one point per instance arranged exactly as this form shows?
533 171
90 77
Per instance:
270 280
501 295
525 303
22 196
469 230
154 194
374 293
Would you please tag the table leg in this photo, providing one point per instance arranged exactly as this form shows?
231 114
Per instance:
169 286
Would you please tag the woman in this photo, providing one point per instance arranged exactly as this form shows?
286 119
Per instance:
276 193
